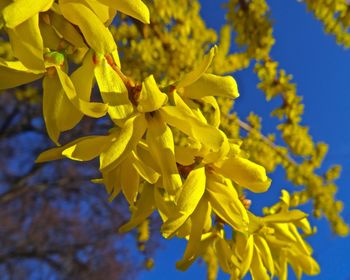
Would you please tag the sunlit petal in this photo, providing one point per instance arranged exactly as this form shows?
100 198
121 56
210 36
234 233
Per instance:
95 33
134 8
151 98
125 142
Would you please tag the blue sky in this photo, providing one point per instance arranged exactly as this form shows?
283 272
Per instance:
321 70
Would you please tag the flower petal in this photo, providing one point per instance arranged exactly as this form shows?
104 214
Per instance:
113 91
226 203
181 117
145 171
111 180
194 75
245 173
265 253
216 116
151 98
191 193
52 94
257 268
198 219
14 73
101 10
285 217
92 109
143 208
308 265
185 155
82 79
130 180
212 85
227 260
161 143
21 10
134 8
245 249
95 33
27 43
67 30
87 148
82 149
127 139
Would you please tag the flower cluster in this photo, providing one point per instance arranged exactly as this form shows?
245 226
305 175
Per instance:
191 183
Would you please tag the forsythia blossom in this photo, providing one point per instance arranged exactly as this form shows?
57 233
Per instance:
193 185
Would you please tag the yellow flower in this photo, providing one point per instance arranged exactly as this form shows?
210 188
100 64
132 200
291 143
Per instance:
22 21
96 34
128 167
275 241
134 8
228 162
199 86
62 106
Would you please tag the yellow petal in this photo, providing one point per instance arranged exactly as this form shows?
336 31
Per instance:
215 156
130 180
101 10
245 249
185 155
301 244
265 253
283 267
198 219
194 75
49 155
50 37
92 109
113 91
21 10
82 79
245 173
164 204
257 269
145 171
161 143
27 44
191 193
129 135
226 204
111 180
285 217
143 208
212 85
87 148
181 117
283 233
144 153
134 8
224 253
304 225
67 30
82 149
95 33
67 115
307 263
216 116
116 58
151 98
51 100
14 73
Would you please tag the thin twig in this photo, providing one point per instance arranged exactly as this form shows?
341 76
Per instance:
265 139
